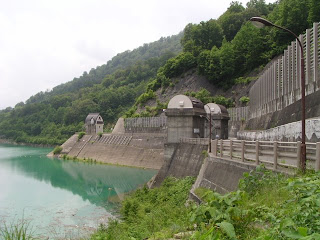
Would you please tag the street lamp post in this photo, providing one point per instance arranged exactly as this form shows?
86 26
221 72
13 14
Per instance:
261 22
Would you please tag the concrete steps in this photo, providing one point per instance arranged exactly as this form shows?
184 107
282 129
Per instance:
114 139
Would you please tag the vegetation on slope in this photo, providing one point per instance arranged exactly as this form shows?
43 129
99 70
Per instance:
50 118
226 49
156 213
266 206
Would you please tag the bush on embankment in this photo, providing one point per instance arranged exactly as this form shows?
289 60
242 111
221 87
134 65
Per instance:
57 150
158 212
266 206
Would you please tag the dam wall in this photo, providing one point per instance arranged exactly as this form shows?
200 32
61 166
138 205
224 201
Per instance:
181 160
136 150
219 175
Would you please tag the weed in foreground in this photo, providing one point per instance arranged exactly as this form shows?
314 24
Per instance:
17 231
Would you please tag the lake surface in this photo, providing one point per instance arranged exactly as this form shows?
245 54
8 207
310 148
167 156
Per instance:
61 198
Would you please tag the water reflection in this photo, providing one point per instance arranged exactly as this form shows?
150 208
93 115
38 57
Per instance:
56 192
93 182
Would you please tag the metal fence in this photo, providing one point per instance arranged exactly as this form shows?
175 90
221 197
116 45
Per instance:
272 154
238 114
280 83
145 124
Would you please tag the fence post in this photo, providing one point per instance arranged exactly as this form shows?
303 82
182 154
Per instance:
308 58
317 167
275 155
315 55
215 147
257 152
230 148
298 154
221 148
242 150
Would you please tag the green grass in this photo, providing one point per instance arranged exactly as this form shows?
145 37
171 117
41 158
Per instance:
16 231
151 213
266 206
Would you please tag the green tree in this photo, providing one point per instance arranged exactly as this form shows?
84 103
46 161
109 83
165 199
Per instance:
314 12
251 48
204 36
291 14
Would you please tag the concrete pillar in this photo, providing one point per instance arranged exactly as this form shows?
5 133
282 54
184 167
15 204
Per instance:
257 152
289 69
285 72
215 147
275 155
231 148
293 64
308 58
221 148
317 164
298 154
242 150
315 56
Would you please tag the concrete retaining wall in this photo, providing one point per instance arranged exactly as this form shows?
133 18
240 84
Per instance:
289 114
181 160
234 127
220 175
289 132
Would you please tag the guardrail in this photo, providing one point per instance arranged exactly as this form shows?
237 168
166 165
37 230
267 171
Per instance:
272 154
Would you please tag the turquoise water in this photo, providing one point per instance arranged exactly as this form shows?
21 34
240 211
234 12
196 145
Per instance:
61 198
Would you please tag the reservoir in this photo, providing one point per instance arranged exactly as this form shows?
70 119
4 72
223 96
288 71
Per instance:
61 198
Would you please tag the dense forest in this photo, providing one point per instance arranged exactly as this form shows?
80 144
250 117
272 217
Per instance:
223 50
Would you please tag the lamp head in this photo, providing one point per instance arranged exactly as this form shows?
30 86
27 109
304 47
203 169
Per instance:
260 22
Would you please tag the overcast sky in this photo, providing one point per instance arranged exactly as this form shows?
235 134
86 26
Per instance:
44 43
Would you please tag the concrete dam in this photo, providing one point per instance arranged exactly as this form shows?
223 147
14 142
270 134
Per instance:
174 145
136 150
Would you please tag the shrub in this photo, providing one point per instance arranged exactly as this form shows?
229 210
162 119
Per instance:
144 97
176 66
244 80
154 85
57 150
244 100
81 134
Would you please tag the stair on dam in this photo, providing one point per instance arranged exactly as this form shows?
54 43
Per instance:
114 139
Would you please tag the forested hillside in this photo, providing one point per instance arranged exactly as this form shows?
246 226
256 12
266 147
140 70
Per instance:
222 50
226 49
111 89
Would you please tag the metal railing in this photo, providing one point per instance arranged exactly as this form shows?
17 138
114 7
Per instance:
272 154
